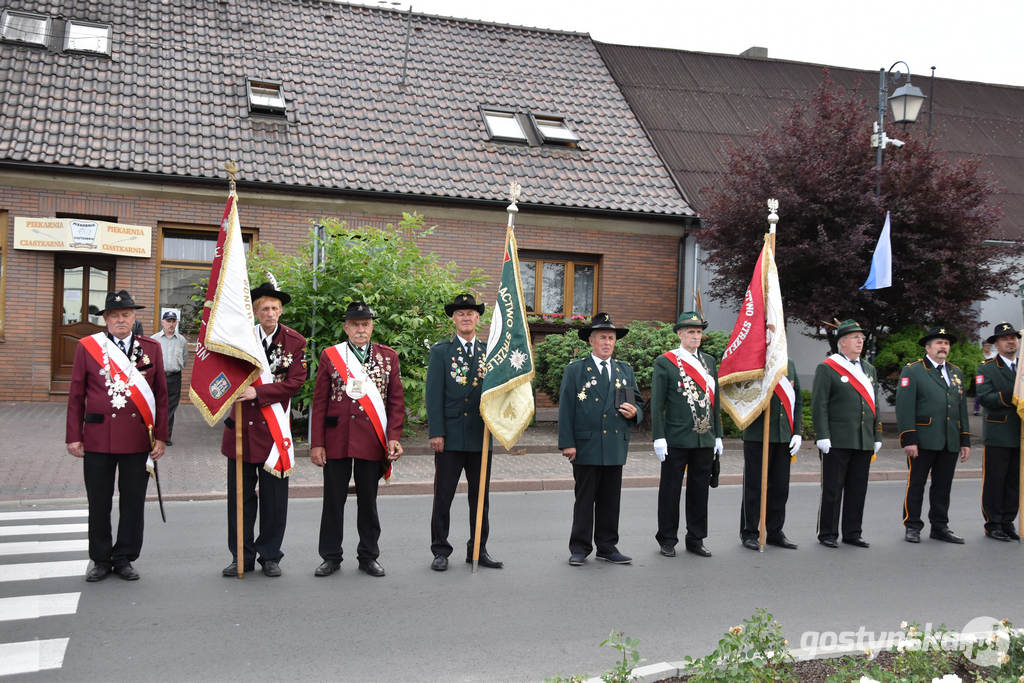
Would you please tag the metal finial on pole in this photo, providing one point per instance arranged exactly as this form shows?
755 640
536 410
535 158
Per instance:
232 169
514 190
773 217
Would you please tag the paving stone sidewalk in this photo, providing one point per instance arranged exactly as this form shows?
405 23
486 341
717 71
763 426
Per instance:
36 466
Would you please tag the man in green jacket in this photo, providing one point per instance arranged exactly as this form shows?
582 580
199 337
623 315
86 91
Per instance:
785 424
848 431
931 415
1000 489
686 424
454 379
596 406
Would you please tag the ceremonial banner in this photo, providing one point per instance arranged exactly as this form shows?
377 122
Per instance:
757 354
506 403
1018 388
228 353
880 275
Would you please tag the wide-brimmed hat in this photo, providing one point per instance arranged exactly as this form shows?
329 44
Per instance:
358 310
937 333
118 300
1001 330
689 319
267 289
463 301
602 321
848 326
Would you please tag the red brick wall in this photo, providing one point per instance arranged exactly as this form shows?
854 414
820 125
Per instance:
637 275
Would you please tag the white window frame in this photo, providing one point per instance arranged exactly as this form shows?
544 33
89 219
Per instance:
257 90
496 128
43 40
74 23
552 129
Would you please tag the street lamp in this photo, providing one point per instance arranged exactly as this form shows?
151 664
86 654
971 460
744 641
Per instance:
906 102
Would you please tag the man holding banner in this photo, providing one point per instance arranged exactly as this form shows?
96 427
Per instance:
358 413
285 350
848 429
116 421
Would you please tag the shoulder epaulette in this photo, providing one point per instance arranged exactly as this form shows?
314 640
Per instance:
987 361
954 365
919 360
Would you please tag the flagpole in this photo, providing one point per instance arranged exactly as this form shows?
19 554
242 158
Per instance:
232 170
481 492
773 219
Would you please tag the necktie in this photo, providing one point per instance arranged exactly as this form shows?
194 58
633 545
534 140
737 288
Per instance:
942 373
1013 367
120 344
469 349
605 375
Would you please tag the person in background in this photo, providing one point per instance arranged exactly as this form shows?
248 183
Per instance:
175 349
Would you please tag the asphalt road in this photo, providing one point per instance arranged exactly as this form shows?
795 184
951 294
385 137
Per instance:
536 617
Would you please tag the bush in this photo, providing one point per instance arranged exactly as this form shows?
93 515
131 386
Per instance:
902 347
383 267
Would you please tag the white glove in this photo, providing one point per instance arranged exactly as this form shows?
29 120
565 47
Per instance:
794 444
718 447
660 449
878 446
824 445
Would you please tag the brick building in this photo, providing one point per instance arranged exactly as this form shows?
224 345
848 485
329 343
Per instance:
119 115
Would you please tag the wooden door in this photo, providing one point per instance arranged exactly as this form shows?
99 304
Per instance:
80 290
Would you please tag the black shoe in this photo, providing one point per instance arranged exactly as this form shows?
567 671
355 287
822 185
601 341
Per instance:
371 567
828 542
946 535
668 551
440 563
327 567
127 572
271 568
577 559
781 541
1009 531
912 536
615 557
168 443
232 569
97 572
698 549
998 535
857 541
486 560
751 543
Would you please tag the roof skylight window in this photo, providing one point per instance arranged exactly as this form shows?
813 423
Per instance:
265 96
24 27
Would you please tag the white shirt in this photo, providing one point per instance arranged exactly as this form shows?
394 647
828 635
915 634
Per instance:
607 373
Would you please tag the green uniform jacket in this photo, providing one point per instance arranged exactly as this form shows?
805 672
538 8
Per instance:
671 416
453 395
590 422
928 413
995 391
841 414
778 423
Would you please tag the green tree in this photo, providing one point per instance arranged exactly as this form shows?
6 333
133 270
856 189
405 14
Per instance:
383 267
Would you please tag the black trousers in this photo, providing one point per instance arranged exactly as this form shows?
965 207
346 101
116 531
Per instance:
132 480
778 490
272 504
942 465
337 474
1000 488
173 397
448 467
596 510
844 485
696 464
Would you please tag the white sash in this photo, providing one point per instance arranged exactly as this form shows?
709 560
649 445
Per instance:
856 373
693 362
352 368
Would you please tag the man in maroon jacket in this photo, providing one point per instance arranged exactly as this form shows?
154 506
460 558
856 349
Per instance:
117 419
286 352
358 412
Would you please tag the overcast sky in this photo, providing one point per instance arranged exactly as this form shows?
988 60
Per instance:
975 41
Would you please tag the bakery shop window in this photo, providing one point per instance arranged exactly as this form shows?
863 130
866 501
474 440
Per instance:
185 254
559 284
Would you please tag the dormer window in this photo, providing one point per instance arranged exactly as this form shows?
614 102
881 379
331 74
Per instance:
504 125
24 27
265 96
553 129
83 36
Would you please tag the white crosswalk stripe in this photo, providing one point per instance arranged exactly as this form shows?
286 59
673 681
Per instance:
32 532
31 656
43 529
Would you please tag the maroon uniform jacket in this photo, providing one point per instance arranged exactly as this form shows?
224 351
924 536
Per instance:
92 418
287 356
340 424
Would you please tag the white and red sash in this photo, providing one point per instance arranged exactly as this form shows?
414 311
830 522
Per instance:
122 369
349 367
787 397
688 363
855 376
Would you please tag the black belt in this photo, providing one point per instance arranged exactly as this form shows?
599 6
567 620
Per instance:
176 372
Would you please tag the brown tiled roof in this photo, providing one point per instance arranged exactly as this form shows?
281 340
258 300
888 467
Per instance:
172 100
692 103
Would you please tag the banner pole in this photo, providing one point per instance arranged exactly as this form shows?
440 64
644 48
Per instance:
480 492
762 525
239 540
1020 482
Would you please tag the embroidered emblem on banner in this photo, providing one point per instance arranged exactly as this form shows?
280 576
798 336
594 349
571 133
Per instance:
219 386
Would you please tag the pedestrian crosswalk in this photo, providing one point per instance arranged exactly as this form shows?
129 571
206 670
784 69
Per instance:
43 535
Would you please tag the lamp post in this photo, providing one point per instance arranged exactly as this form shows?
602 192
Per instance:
906 102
